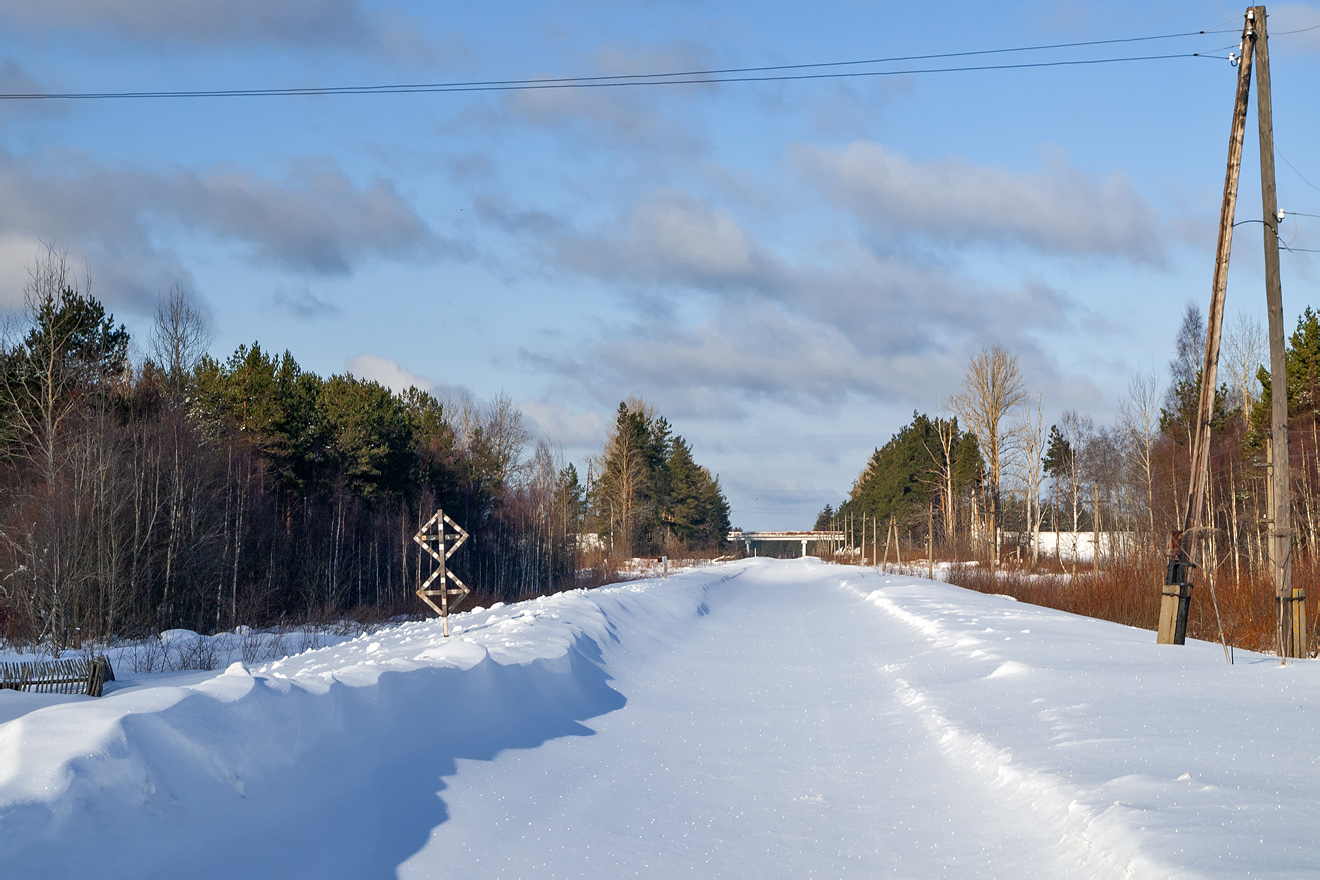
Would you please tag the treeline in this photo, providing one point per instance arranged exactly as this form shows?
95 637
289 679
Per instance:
185 491
991 476
929 475
649 495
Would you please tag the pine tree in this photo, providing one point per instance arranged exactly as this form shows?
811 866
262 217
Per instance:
651 492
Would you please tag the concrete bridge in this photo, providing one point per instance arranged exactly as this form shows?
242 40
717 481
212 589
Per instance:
748 538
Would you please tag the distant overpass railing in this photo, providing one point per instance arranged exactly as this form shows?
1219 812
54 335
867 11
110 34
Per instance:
749 538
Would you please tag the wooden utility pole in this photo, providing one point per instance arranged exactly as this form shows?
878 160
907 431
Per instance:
1291 602
1177 592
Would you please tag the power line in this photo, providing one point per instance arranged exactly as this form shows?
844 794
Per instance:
1298 31
535 85
1295 171
683 77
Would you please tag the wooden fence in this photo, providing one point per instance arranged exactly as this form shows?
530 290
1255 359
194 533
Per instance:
74 676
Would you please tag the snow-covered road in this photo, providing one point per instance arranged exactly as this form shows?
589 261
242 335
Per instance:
761 718
767 740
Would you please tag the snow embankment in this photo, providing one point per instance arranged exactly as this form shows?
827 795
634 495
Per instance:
284 769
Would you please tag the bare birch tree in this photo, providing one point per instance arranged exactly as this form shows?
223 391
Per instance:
993 390
1032 430
1244 352
1139 419
946 434
1077 432
179 335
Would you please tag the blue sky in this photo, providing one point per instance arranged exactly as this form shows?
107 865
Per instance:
786 270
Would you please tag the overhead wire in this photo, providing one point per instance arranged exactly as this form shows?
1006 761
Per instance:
1298 31
1294 168
778 73
534 86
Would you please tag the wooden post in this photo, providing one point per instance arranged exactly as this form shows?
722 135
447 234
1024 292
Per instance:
898 547
930 541
1292 602
1095 525
888 535
1176 596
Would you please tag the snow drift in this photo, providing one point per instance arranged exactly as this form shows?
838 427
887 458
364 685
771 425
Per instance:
288 768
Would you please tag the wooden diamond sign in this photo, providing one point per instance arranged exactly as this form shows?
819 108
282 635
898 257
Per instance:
434 538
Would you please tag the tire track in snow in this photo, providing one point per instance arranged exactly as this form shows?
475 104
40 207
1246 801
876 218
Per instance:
1092 844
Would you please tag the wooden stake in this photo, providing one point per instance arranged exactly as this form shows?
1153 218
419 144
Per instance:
1292 611
930 542
888 535
1176 597
898 547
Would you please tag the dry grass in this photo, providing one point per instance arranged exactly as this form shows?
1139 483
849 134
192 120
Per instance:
1128 592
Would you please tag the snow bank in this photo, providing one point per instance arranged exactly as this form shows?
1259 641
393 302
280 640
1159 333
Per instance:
219 772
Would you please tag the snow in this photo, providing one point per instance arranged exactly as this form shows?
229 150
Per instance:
758 718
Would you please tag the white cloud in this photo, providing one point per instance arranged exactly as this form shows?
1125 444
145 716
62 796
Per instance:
1056 208
389 373
672 238
570 428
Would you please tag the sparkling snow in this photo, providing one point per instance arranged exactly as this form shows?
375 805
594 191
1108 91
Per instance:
757 718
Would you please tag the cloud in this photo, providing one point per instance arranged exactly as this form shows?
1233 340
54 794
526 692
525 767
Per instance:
313 22
896 301
15 80
301 303
1056 209
623 114
387 372
1294 17
672 238
398 378
748 326
616 114
566 427
316 221
735 362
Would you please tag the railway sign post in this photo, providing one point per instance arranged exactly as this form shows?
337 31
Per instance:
433 538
